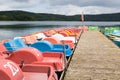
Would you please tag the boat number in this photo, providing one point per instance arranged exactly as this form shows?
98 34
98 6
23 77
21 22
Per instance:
14 69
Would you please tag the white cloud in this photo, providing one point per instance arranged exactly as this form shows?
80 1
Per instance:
65 7
2 8
84 3
65 10
73 10
100 10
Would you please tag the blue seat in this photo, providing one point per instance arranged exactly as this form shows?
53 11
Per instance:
116 32
45 46
60 48
15 44
42 46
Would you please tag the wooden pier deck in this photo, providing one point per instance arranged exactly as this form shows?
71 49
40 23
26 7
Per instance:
95 58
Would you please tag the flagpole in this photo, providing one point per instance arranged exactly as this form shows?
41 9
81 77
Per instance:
82 18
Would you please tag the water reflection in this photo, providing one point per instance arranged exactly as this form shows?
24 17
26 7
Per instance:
11 31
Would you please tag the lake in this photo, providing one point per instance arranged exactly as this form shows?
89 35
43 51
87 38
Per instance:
11 29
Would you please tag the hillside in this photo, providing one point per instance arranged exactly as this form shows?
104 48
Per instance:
29 16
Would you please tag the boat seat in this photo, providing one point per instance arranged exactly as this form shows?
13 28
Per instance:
32 72
10 71
55 40
52 40
3 51
61 37
33 56
116 33
2 48
69 42
45 46
40 36
15 44
35 76
30 39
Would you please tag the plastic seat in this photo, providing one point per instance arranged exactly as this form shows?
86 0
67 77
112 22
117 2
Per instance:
3 49
116 33
69 32
85 28
15 44
59 48
47 33
61 37
33 56
65 34
10 71
69 42
29 39
74 32
55 40
39 72
70 38
52 32
93 28
40 36
45 46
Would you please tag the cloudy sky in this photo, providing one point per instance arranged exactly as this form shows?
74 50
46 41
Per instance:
65 7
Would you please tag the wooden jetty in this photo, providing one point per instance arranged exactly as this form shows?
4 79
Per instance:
95 58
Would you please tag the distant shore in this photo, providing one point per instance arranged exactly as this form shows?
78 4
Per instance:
29 16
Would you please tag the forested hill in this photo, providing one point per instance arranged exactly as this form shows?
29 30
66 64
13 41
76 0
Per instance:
29 16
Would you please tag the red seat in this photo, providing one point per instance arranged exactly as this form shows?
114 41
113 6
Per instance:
63 33
10 71
29 39
33 56
52 31
69 42
36 72
55 40
73 32
47 33
2 49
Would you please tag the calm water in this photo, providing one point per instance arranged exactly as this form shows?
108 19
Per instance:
11 29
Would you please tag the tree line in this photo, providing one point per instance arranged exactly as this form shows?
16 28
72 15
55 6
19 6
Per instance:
29 16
